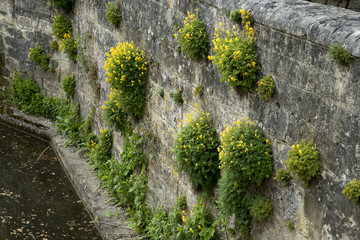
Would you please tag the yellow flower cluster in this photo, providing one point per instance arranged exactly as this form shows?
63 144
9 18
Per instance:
126 71
125 60
235 54
193 37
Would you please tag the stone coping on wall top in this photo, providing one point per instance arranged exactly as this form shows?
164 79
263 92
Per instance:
324 25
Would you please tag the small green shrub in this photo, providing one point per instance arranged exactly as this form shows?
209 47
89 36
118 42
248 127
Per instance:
352 190
177 97
236 57
114 114
244 148
65 5
38 56
236 15
100 151
193 38
113 13
266 88
126 70
290 225
339 55
199 90
69 46
61 26
54 45
25 94
69 85
245 158
200 224
283 176
161 93
196 152
261 208
159 227
304 161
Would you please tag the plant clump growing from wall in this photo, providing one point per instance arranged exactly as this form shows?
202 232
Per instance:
61 26
54 45
177 97
352 190
266 88
283 176
304 161
65 5
245 158
113 13
193 38
261 207
69 46
114 114
39 56
69 85
126 70
196 151
235 56
339 55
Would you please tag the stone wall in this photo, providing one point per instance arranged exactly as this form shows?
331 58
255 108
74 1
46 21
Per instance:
315 99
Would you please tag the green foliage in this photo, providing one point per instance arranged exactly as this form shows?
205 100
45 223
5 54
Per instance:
266 88
199 90
38 56
68 45
339 55
161 93
126 71
25 94
71 125
304 161
100 150
283 176
177 97
194 1
352 190
196 151
69 85
54 45
236 15
236 57
113 13
61 26
114 114
82 57
65 5
245 158
290 225
244 148
159 227
193 37
261 208
200 224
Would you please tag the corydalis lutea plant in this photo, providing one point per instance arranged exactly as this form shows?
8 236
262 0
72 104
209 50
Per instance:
304 161
126 70
193 38
196 150
235 56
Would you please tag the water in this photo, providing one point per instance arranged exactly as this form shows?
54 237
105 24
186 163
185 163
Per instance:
37 200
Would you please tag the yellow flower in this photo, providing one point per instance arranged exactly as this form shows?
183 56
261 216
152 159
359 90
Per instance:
242 11
220 24
199 227
253 64
191 230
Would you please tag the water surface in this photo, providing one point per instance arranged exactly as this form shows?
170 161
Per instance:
37 200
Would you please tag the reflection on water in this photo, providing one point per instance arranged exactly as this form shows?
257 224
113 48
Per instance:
37 201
